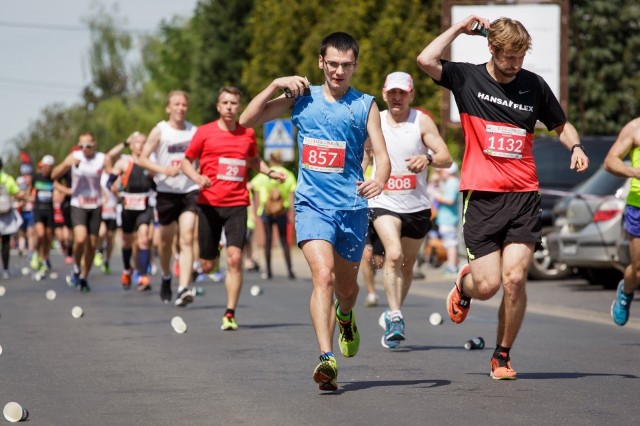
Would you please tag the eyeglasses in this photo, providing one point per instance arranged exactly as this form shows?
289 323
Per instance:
87 145
346 66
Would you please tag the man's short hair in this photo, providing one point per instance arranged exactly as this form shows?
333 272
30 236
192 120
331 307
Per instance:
509 35
340 41
230 89
174 93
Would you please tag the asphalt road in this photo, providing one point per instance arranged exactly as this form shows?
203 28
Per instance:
122 363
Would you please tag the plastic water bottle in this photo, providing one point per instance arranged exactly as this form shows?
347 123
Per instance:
476 343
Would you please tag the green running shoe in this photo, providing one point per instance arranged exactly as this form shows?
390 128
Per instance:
349 338
228 323
326 373
35 262
98 260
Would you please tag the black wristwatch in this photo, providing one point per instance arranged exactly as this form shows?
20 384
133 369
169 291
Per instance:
429 159
578 145
125 143
269 173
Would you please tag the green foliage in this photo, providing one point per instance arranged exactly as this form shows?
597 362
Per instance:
107 56
222 40
604 83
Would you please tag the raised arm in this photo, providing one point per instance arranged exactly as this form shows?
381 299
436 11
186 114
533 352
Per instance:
263 108
62 168
429 58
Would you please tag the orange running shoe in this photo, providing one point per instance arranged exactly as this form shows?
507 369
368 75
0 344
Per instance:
125 279
143 284
501 367
457 303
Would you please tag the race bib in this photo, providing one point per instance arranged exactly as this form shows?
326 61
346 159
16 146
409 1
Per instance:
175 163
88 202
323 156
233 169
401 183
135 202
503 141
44 196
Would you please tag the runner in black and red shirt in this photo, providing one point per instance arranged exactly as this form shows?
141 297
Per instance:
499 105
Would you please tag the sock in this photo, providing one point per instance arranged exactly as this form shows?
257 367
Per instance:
395 314
166 277
230 313
143 261
342 316
76 268
126 258
328 354
501 349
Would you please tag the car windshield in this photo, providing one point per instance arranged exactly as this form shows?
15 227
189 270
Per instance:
601 183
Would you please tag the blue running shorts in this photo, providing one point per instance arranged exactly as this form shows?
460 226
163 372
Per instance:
345 229
632 220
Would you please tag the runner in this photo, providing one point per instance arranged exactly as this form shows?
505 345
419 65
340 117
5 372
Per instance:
108 227
43 215
225 150
176 193
10 218
86 168
499 104
401 214
135 187
337 129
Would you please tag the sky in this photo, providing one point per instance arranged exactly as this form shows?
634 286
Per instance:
44 46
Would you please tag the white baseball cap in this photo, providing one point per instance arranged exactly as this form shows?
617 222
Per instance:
48 160
399 80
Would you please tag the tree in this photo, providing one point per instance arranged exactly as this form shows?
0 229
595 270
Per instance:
107 56
604 84
221 31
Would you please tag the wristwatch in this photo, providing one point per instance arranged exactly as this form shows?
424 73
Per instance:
429 159
578 145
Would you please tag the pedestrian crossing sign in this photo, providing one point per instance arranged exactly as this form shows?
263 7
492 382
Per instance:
278 136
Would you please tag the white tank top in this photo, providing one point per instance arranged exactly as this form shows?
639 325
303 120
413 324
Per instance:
170 152
85 181
405 192
109 207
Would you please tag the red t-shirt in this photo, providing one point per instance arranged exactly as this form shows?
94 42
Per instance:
223 159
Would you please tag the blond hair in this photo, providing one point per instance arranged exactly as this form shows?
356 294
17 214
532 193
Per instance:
175 93
509 35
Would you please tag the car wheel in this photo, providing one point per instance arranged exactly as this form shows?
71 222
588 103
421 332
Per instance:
544 267
606 277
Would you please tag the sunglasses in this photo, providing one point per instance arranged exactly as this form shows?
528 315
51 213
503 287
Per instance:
87 145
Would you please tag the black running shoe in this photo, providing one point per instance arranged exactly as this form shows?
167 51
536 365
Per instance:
84 286
165 290
185 296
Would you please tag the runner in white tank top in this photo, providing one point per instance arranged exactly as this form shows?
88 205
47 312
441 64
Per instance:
86 167
176 193
401 214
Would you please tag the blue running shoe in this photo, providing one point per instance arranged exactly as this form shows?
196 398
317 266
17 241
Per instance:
620 306
73 280
393 334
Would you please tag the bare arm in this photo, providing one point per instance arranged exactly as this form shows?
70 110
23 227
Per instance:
568 136
429 58
262 108
187 168
148 148
373 187
258 164
62 168
628 139
431 139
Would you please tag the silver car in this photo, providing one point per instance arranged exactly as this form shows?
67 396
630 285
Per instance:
590 225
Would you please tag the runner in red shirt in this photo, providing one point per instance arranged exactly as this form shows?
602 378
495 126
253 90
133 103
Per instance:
499 103
225 151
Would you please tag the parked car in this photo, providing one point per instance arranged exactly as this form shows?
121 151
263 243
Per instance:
590 225
556 181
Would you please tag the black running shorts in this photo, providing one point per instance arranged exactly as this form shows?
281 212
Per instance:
491 219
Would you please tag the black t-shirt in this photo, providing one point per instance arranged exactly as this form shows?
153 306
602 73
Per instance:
43 188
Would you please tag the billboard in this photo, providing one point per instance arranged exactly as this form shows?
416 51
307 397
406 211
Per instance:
546 22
